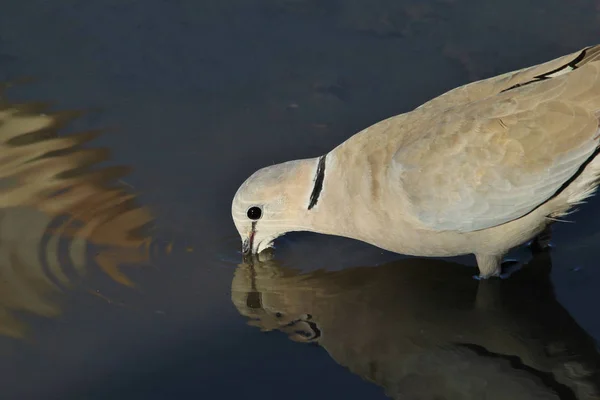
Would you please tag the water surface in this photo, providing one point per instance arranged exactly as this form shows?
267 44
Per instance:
120 275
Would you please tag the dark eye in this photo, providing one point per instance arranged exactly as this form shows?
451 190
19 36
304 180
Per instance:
254 213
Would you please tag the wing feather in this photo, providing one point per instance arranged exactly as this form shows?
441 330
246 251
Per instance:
483 163
492 86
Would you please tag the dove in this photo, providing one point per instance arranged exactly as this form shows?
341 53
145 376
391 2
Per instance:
480 169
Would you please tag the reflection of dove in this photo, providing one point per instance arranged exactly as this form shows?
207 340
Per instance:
480 169
51 196
422 331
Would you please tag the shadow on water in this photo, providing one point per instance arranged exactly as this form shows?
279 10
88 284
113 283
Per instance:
423 329
60 214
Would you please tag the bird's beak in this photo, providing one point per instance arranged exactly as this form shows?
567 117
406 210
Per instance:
246 247
248 243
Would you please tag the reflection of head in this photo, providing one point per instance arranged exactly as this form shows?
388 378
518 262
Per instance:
272 295
273 309
54 203
422 328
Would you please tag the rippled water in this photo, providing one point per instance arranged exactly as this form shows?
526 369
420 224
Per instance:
58 214
120 271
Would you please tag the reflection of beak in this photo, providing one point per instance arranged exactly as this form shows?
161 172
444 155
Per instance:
248 244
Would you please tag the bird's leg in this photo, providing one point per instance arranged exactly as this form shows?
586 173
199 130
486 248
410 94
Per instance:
542 242
491 265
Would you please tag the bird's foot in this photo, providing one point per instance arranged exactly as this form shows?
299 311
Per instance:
507 268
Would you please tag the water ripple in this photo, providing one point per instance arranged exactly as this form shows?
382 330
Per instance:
61 214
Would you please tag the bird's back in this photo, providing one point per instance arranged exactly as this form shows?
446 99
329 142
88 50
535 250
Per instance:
456 162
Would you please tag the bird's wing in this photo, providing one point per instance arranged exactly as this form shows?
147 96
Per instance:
492 86
488 162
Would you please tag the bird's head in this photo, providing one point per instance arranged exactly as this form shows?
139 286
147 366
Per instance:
273 201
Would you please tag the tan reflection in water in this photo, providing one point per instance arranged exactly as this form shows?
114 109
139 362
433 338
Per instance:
423 329
52 193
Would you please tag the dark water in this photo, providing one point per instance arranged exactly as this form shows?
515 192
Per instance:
120 275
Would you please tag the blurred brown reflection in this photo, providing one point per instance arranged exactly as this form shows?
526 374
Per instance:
423 329
55 202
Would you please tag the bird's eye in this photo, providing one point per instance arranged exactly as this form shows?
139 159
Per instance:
254 213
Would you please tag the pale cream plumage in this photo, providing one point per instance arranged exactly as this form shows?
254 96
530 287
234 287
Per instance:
480 169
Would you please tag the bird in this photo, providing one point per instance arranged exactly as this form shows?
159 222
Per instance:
481 169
